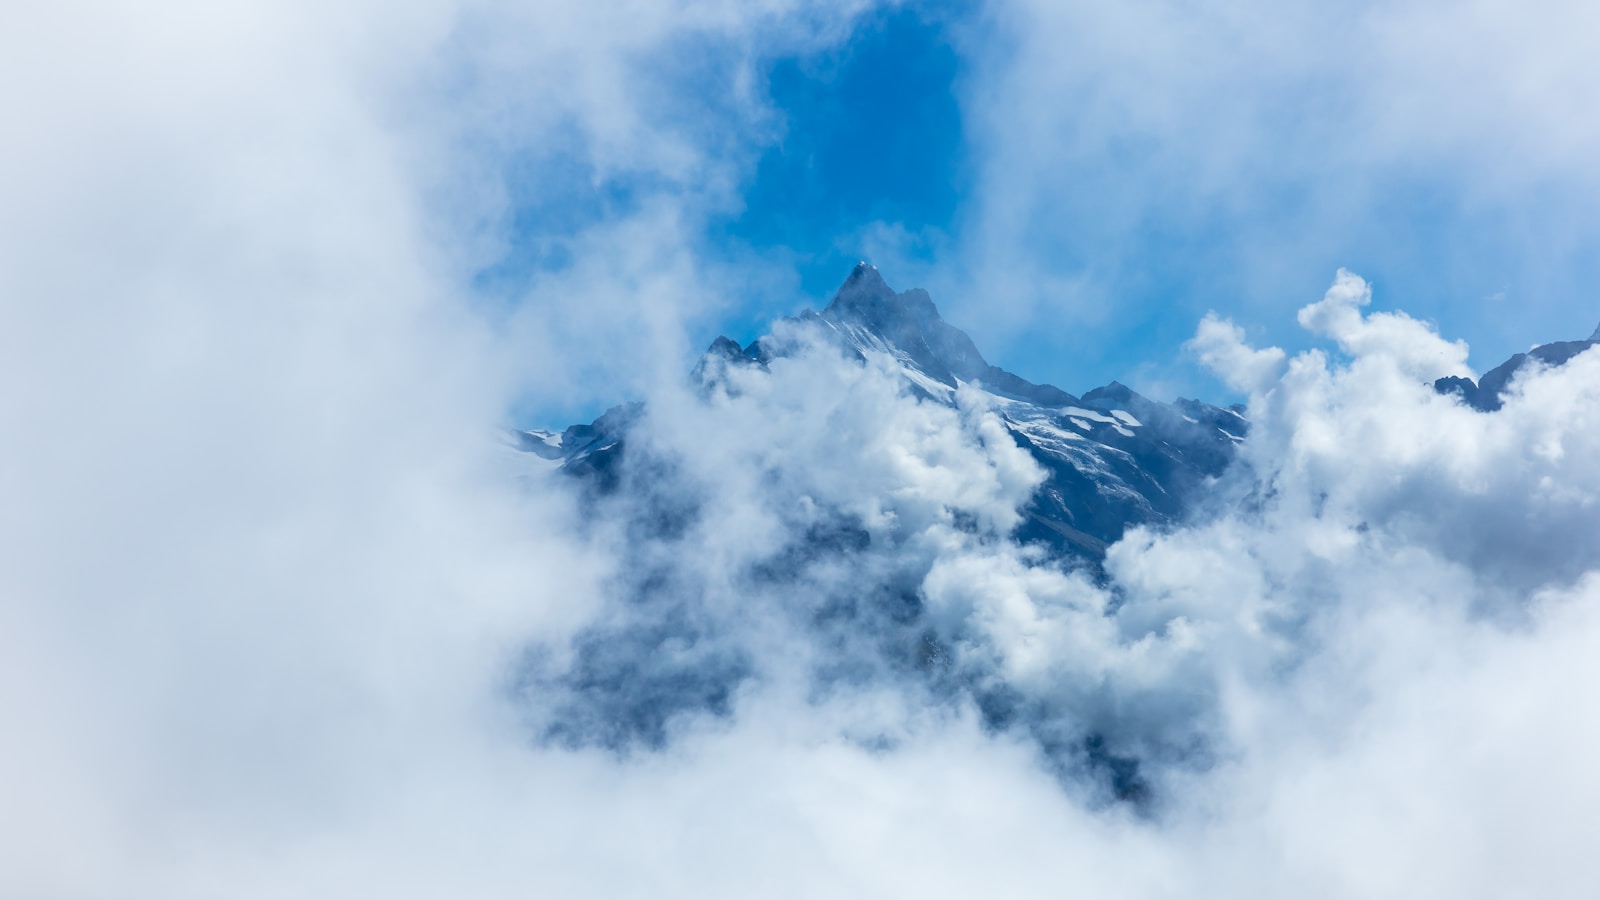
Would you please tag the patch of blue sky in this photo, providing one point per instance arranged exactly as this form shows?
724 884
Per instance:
871 132
1501 275
1149 231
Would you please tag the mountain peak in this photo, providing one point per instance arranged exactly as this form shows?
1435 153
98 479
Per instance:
866 299
864 272
1114 394
1596 335
864 290
909 323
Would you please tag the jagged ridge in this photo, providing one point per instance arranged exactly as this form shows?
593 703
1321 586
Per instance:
1113 458
1487 394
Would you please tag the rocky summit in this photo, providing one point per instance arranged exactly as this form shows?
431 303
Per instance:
1113 458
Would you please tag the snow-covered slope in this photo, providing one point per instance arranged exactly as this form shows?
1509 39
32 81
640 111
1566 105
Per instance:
1113 458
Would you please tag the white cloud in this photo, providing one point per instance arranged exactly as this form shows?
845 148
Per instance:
1413 346
1289 673
1148 160
1220 345
266 575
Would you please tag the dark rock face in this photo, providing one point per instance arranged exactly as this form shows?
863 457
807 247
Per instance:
865 306
591 452
1464 388
1489 393
714 363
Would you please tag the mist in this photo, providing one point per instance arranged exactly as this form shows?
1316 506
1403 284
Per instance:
283 612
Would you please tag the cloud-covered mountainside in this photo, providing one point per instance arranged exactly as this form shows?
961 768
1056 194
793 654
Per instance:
858 516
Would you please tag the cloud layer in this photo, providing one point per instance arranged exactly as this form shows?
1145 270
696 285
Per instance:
278 615
1369 642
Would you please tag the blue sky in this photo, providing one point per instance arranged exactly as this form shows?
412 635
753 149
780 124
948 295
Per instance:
1077 188
872 132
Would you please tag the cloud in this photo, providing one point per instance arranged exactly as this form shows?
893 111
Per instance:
1220 345
1413 346
1138 164
1381 558
280 616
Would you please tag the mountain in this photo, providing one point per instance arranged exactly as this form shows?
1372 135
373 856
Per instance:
1113 459
1488 393
741 564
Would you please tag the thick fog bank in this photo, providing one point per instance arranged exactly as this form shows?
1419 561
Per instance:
280 615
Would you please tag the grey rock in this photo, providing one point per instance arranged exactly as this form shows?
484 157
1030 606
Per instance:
1488 394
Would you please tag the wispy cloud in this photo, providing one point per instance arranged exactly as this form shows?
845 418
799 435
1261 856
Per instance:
1142 159
278 615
